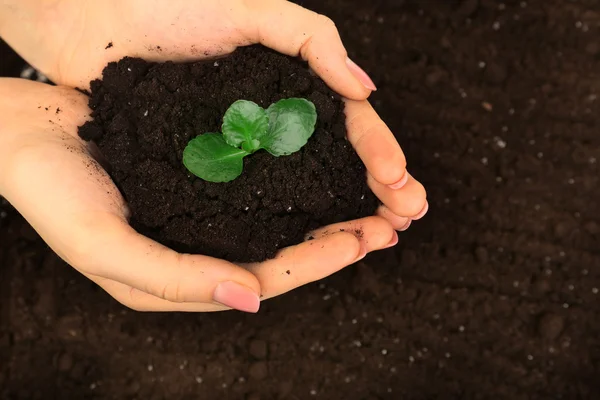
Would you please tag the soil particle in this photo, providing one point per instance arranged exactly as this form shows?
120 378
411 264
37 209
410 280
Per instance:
409 295
64 362
258 370
495 73
593 48
284 389
551 326
435 76
467 8
408 258
541 286
91 132
481 255
365 280
338 312
258 349
69 328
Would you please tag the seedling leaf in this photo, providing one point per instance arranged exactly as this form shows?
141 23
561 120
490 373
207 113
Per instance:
291 124
243 123
281 130
209 157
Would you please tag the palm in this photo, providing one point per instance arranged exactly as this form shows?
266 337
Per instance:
56 167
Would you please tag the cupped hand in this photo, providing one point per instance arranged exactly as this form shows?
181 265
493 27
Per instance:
71 41
51 177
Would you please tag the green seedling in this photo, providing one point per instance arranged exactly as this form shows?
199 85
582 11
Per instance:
282 129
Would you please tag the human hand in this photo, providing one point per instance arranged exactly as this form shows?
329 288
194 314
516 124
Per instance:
101 252
51 176
71 41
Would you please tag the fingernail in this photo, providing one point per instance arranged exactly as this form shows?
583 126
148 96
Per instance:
393 242
363 251
360 74
406 226
401 183
239 297
422 213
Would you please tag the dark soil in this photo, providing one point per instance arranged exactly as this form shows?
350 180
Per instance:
9 65
494 295
144 116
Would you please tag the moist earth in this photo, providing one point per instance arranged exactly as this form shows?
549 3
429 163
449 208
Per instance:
145 114
493 295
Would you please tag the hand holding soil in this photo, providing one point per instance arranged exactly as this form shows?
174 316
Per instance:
52 177
71 41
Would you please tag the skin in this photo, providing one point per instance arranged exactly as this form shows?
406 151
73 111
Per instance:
52 177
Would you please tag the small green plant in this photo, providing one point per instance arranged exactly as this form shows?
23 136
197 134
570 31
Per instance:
282 129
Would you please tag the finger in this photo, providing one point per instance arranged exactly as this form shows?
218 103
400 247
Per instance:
332 249
399 223
307 262
409 201
293 30
142 301
121 254
375 144
375 231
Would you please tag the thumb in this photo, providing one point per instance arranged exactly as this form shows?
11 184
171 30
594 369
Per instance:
123 255
293 30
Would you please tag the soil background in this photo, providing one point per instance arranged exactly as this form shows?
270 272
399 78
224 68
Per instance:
494 295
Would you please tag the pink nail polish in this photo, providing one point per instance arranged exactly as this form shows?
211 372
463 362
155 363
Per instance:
401 183
361 75
239 297
406 226
393 241
422 213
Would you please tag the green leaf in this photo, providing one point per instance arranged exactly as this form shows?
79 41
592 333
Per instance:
291 124
210 158
243 123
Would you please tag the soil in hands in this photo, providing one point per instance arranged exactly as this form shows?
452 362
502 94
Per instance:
145 114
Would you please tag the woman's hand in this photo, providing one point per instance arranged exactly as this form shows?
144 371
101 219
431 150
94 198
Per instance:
51 177
71 41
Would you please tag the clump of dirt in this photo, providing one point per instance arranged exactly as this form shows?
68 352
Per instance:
145 114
